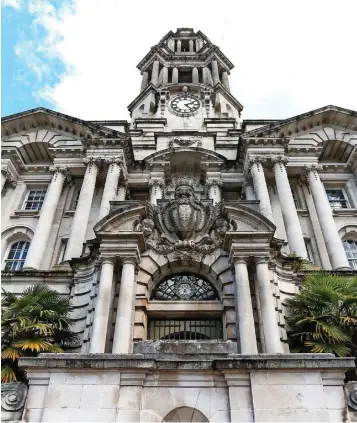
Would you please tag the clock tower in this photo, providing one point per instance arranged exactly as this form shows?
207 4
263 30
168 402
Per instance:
185 88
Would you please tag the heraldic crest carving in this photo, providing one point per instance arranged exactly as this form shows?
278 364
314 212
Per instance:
184 224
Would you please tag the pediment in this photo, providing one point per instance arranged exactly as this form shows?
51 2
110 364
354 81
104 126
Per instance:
247 219
328 116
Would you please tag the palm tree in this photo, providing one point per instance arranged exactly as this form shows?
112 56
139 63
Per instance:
322 318
35 321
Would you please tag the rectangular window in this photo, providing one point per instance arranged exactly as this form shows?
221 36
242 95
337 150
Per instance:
296 202
62 251
337 199
185 329
35 199
75 201
350 247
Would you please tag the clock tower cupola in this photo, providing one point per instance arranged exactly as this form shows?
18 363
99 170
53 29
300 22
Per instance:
185 80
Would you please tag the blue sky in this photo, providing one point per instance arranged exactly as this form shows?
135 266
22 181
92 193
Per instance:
79 57
20 81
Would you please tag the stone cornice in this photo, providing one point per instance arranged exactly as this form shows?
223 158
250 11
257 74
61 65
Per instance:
202 362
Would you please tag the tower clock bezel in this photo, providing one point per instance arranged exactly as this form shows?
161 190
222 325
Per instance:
176 111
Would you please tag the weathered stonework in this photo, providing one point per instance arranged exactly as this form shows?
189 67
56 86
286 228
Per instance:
186 193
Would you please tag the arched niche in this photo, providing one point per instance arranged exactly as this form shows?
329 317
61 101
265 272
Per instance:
185 414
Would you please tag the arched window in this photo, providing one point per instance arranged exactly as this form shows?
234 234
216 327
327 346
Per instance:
17 255
185 287
350 247
190 322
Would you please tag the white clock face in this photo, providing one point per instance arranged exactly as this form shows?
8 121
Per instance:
185 105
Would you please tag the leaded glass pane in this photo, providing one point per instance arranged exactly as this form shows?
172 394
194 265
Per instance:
185 287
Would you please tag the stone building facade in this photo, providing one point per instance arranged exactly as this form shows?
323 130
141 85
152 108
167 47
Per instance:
178 236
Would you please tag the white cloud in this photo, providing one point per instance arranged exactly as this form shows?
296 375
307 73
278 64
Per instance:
16 4
290 57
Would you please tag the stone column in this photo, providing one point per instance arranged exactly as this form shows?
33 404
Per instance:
214 190
195 78
111 183
178 46
260 187
81 215
190 44
198 45
102 308
352 192
215 74
329 230
144 81
165 75
246 327
44 225
174 75
225 81
267 306
122 187
122 333
155 72
171 44
207 76
291 219
7 178
248 190
156 187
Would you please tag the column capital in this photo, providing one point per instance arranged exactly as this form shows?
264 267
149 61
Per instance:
262 260
10 179
90 160
239 260
214 182
114 160
56 169
107 260
129 260
281 160
262 160
157 183
312 168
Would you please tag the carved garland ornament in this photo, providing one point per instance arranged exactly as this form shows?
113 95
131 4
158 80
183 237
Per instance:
185 141
184 225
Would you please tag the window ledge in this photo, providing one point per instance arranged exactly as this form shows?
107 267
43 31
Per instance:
303 212
26 213
344 212
69 213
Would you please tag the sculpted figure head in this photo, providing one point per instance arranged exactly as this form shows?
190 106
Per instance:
221 226
184 194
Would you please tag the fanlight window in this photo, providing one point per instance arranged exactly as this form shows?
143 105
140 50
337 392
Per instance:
185 287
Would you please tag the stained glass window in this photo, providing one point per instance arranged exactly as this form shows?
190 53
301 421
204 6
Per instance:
185 287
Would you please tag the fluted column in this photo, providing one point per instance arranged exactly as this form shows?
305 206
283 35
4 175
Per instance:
102 308
214 190
122 188
260 187
225 81
144 81
156 186
7 178
215 74
174 75
246 327
42 233
267 308
81 215
155 72
290 217
111 183
329 230
195 78
248 190
165 75
122 333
